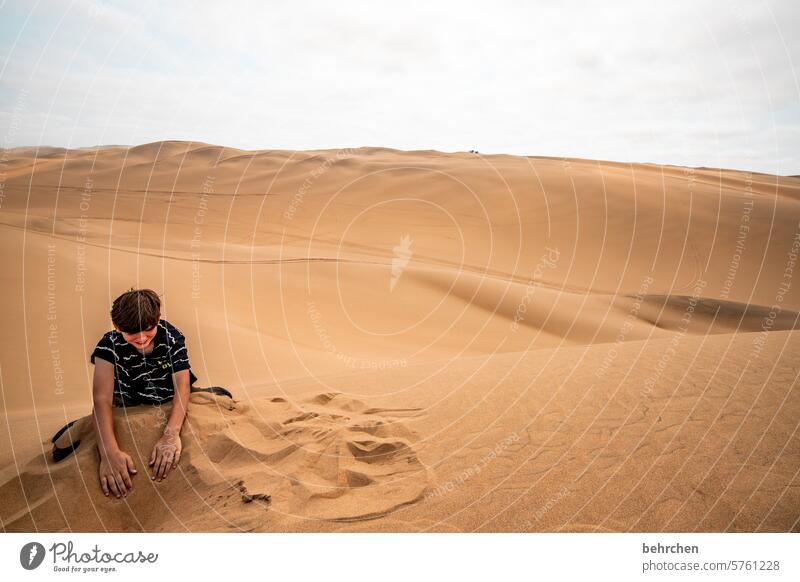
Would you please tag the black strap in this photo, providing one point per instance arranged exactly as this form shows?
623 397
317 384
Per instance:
62 431
59 454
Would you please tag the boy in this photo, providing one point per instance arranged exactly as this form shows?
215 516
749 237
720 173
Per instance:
143 361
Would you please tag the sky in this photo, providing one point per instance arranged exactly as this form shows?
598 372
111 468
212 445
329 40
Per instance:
695 83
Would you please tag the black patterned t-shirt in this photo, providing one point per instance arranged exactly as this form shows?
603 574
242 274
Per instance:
145 378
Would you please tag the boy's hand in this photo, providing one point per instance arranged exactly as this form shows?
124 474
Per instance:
166 454
116 469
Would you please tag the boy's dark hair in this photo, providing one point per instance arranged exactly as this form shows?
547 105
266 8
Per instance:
136 310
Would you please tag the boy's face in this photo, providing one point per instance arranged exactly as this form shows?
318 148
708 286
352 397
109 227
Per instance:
142 339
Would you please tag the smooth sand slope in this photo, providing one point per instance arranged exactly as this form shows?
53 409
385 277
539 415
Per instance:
417 341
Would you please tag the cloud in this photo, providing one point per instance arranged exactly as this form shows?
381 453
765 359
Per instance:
688 83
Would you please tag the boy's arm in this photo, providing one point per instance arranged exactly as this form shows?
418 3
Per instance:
115 465
167 451
102 392
180 403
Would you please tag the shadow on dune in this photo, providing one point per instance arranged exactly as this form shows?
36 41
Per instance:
672 312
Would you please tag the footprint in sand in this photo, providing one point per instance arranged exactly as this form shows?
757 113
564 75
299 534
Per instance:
326 457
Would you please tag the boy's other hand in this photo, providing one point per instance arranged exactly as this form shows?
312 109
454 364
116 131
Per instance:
116 468
166 454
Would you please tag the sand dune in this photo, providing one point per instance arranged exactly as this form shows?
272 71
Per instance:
416 340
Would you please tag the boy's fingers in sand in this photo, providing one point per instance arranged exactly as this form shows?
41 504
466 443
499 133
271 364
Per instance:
112 485
169 461
176 460
120 485
155 458
126 479
131 466
166 460
104 486
156 463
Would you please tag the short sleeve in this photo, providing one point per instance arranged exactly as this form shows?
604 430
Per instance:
105 350
178 354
